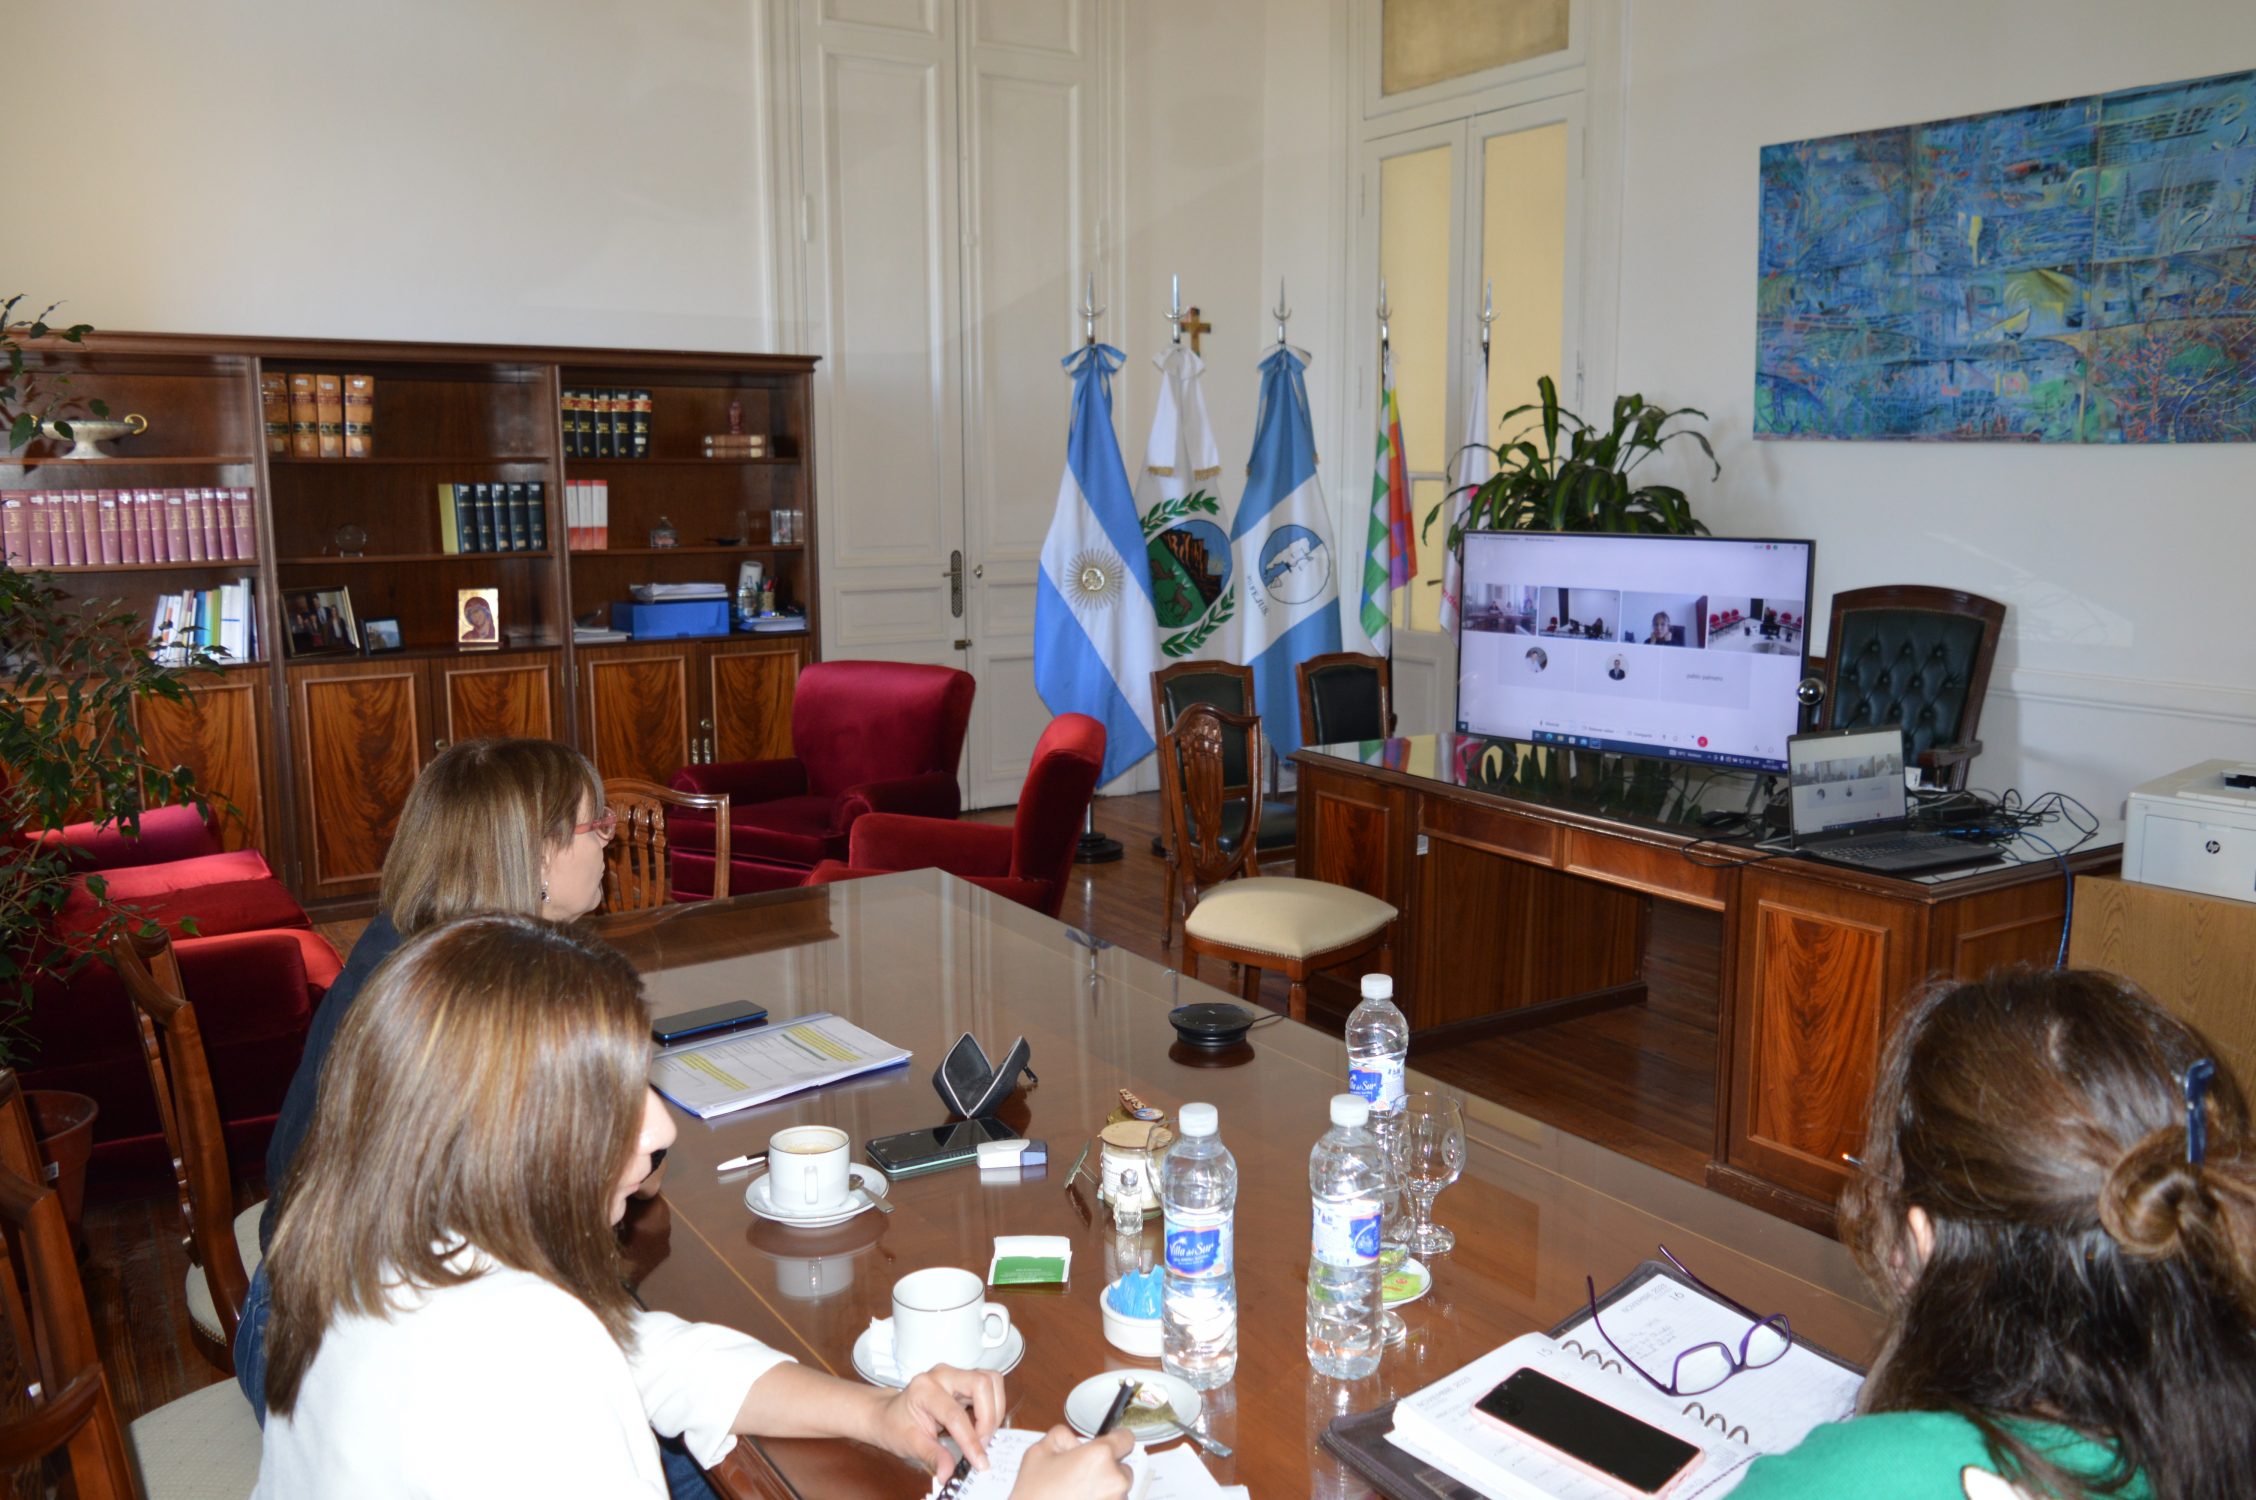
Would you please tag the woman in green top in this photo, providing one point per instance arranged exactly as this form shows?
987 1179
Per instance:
2059 1210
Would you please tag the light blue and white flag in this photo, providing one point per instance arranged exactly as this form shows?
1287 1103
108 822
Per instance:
1282 540
1094 630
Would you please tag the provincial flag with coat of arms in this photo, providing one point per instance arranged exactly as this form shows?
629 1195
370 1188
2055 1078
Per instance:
1094 629
1282 539
1193 574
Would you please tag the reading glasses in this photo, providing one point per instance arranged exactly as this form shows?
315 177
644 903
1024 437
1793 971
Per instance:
1703 1367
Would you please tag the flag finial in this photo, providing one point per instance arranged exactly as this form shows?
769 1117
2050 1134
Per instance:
1488 315
1383 338
1281 311
1090 312
1175 307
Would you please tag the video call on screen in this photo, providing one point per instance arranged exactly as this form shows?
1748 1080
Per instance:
1689 647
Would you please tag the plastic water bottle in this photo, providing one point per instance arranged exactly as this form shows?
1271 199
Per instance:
1378 1042
1347 1177
1198 1192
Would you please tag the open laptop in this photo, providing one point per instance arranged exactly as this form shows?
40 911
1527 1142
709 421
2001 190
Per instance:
1847 805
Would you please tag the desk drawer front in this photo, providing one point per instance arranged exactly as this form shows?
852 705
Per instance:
1503 833
1647 867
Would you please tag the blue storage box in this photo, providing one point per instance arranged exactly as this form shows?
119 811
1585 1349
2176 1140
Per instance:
671 618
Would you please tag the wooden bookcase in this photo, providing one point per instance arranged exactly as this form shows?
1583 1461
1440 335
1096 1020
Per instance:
317 752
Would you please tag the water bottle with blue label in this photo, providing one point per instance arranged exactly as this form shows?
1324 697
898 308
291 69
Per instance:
1198 1192
1347 1177
1378 1046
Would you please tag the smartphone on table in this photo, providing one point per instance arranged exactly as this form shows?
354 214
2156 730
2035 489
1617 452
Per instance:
1635 1456
914 1151
712 1021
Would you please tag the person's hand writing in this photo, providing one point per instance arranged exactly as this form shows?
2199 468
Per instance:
1062 1467
965 1404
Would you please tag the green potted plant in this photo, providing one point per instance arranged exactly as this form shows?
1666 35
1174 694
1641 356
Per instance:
70 673
1587 485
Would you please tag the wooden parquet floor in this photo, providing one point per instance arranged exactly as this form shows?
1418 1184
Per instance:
1638 1080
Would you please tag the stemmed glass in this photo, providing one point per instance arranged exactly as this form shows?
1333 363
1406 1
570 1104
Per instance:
1433 1157
1392 1251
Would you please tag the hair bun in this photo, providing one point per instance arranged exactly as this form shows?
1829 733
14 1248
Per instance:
2153 1195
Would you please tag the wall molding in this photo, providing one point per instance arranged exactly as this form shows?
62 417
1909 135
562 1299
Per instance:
2211 702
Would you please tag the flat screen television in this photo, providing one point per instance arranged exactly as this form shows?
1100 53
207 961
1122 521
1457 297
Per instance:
1687 647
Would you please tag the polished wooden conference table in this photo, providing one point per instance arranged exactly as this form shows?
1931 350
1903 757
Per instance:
920 958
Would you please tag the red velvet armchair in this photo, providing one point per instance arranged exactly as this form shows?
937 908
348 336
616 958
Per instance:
866 737
165 834
1029 861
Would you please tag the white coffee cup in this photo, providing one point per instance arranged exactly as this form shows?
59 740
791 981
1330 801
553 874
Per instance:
940 1319
807 1169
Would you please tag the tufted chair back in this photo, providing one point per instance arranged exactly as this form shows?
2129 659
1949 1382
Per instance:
1916 656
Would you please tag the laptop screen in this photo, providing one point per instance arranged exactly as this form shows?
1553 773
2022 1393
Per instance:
1840 781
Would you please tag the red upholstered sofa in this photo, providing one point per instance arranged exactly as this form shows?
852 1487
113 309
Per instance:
255 970
1029 862
866 736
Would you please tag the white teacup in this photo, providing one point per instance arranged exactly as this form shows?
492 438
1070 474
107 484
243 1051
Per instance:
939 1318
807 1169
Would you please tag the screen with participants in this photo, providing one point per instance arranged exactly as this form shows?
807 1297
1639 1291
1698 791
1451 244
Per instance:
1686 647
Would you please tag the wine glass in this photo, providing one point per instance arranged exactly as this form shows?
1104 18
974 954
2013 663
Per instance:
1393 1251
1433 1156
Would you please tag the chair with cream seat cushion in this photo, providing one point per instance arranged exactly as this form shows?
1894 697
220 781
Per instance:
223 1246
1235 912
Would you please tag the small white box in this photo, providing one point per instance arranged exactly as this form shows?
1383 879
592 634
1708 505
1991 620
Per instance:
2195 831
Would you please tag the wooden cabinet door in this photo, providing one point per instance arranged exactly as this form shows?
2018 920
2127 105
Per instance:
507 695
636 703
748 698
358 727
219 732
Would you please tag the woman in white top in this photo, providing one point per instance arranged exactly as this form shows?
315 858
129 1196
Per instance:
450 1316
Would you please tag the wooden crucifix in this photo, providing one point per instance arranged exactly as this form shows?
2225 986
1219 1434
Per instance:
1193 327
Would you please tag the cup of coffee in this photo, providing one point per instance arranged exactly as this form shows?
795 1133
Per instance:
807 1169
940 1318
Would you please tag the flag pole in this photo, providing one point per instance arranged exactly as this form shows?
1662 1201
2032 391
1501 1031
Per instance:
1093 848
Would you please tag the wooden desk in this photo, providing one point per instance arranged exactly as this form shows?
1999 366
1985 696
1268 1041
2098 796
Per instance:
921 957
1524 874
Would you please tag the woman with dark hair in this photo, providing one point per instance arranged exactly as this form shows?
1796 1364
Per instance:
2057 1202
451 1314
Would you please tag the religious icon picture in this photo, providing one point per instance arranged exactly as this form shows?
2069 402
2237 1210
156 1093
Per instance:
477 617
319 621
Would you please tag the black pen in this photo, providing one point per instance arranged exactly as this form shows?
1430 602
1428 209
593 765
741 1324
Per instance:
1118 1409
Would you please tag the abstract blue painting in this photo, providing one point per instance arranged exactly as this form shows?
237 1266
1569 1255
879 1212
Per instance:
2076 272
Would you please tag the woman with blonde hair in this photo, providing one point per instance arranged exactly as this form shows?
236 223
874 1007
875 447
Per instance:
450 1311
2057 1205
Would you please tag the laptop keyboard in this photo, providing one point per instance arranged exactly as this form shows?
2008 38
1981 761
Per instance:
1896 846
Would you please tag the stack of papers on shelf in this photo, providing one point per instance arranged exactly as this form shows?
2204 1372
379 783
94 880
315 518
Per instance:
590 634
779 624
652 593
752 1067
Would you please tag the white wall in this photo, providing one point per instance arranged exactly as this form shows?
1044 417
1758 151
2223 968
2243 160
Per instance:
2126 569
577 171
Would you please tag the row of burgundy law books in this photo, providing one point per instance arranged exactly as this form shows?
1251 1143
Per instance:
116 528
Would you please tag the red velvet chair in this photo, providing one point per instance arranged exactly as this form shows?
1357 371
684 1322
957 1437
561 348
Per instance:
866 736
165 834
1029 861
256 961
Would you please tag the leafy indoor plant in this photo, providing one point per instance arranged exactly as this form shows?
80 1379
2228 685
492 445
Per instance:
1587 485
70 673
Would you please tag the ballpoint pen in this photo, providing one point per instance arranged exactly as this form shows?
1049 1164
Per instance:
734 1162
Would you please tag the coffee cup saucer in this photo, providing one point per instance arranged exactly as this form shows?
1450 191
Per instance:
869 1185
873 1354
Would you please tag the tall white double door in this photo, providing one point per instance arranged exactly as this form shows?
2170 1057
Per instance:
949 201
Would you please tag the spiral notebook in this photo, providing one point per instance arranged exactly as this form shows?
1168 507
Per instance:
1427 1447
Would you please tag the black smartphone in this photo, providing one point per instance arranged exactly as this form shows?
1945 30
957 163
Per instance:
691 1025
914 1151
1588 1432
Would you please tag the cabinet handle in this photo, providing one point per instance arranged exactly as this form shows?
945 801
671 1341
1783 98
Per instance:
704 752
440 746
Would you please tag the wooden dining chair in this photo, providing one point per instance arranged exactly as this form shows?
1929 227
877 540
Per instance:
1231 910
1345 696
1229 687
223 1245
201 1447
637 867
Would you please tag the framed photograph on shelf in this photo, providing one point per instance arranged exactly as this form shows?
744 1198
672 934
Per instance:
380 636
477 619
319 621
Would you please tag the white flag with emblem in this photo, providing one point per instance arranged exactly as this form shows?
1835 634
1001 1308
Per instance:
1194 582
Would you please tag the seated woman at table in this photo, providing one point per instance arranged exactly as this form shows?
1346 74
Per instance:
513 825
2059 1211
450 1316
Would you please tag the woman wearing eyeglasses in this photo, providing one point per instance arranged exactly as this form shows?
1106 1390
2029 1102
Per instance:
2058 1205
506 825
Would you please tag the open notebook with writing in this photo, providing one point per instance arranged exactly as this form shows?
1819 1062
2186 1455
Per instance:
1430 1446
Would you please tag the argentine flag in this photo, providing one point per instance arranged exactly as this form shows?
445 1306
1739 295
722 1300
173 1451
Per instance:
1282 540
1094 630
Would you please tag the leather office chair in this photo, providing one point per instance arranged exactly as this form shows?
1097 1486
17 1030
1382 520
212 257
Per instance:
1233 911
1345 696
1918 656
1030 862
1229 687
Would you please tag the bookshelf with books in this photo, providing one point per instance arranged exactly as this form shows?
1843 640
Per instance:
331 719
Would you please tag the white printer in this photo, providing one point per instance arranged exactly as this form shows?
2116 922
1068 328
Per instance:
2196 830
